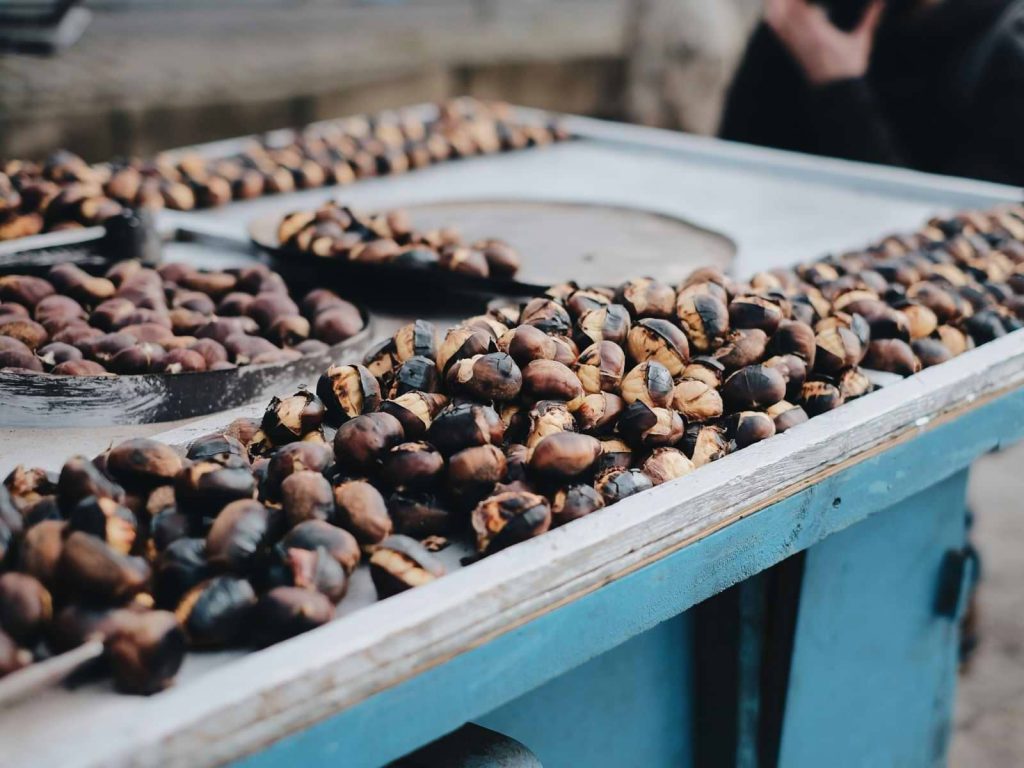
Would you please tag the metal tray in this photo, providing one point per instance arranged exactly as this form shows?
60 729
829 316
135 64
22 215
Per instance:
557 241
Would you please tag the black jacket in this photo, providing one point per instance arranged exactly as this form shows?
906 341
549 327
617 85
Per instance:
944 93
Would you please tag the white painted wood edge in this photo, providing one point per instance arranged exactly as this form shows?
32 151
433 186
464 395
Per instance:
267 695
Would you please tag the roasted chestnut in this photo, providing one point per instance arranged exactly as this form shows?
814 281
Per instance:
348 391
696 401
362 441
646 298
666 464
893 356
415 411
417 374
704 319
749 427
600 367
646 427
239 537
820 396
285 612
25 607
144 650
464 424
89 569
400 563
290 458
574 502
661 341
853 383
615 454
704 444
756 386
412 466
494 376
217 612
550 380
607 323
288 420
508 518
742 347
547 315
598 413
314 569
649 383
141 464
755 312
616 484
107 520
306 495
786 416
361 510
564 456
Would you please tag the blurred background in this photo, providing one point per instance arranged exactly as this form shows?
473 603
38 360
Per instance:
113 78
134 76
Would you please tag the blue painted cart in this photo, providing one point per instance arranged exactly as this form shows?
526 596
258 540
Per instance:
795 604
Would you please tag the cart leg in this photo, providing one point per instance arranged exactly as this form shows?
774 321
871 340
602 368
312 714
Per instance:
873 669
630 706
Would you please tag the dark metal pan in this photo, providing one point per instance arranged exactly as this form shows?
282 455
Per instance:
558 242
45 400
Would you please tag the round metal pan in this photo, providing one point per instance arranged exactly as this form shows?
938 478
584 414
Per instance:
45 400
558 242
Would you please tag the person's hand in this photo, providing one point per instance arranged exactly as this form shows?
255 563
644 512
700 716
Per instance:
824 52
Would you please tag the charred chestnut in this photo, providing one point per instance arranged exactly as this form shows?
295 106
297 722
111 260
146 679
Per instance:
607 323
574 502
509 518
217 613
494 376
179 567
417 339
749 427
616 484
285 612
462 425
658 340
415 411
704 444
413 465
239 537
314 534
287 420
820 396
417 374
597 413
755 312
704 319
313 569
756 386
547 315
742 347
402 563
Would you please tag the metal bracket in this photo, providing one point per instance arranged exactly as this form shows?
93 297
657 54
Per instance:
957 575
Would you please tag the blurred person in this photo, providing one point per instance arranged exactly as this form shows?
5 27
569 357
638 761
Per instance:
936 85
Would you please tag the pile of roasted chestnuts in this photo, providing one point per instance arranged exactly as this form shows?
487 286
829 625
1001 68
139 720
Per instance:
515 421
65 192
172 319
337 231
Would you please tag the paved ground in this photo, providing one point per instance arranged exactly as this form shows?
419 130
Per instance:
990 708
